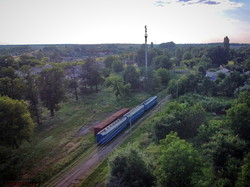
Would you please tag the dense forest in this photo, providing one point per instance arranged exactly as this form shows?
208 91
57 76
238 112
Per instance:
199 138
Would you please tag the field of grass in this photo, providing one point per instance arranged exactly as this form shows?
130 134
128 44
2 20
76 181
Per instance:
56 144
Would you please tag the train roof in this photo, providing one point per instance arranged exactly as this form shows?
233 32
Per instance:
112 126
150 99
111 118
134 110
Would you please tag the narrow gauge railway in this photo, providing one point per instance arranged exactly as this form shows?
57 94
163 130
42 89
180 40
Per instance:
112 130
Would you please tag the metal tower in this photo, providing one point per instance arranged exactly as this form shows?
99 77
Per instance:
146 53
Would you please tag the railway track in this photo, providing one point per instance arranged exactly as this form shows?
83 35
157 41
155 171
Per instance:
84 165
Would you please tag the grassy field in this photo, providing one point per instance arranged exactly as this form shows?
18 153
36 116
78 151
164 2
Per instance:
56 144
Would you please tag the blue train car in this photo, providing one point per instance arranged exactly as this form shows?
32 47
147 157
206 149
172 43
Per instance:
120 124
150 102
112 130
135 113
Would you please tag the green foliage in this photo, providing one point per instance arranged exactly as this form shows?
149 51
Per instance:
31 91
164 75
51 88
117 66
226 152
187 56
240 110
229 84
106 72
244 175
117 83
178 55
180 163
140 57
29 60
226 47
217 55
13 88
152 81
16 123
91 74
246 64
129 169
206 131
8 61
162 61
131 76
210 104
190 63
108 61
208 87
202 70
7 72
180 118
183 85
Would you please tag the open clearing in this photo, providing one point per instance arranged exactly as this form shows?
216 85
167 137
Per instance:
82 167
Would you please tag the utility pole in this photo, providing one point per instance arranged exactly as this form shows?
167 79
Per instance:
146 53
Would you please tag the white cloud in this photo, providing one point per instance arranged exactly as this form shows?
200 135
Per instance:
225 4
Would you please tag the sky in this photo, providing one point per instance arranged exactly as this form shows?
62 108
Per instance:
123 21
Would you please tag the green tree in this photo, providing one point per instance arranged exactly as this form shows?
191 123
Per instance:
152 81
239 116
164 75
140 57
246 64
117 66
187 56
8 61
91 74
183 119
207 87
232 82
31 92
226 47
226 152
7 72
202 70
51 88
131 76
16 123
178 55
108 61
183 85
130 170
162 61
217 55
180 164
206 131
244 176
13 88
29 60
118 86
73 82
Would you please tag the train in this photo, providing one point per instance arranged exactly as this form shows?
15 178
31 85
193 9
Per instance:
109 120
112 130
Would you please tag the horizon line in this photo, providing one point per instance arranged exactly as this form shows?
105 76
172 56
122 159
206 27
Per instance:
117 43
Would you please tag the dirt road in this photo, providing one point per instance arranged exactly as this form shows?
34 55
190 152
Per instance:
83 167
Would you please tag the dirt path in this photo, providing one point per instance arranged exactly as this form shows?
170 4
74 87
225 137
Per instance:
83 167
